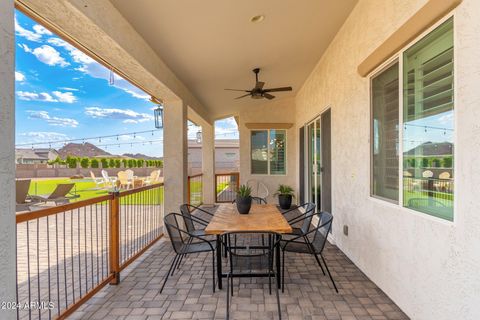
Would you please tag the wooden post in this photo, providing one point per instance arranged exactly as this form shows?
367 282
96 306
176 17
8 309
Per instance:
115 237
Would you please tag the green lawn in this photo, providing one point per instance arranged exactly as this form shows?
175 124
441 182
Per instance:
86 189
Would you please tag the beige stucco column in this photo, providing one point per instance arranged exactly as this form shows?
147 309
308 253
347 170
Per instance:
7 158
208 163
175 155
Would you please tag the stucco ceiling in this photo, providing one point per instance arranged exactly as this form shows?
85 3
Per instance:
212 44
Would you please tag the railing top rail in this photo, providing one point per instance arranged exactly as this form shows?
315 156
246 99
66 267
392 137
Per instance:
32 215
140 189
196 175
227 174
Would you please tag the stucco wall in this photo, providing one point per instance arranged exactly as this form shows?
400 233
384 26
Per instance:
429 267
279 111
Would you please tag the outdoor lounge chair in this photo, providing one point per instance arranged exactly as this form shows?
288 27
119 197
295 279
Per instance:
99 182
153 178
107 180
124 180
60 195
23 199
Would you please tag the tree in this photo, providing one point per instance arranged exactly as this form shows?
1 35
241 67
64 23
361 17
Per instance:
104 163
95 163
125 163
447 162
118 163
436 163
111 163
140 163
71 162
425 162
85 162
131 163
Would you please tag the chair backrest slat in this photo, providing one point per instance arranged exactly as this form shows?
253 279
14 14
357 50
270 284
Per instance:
324 226
61 190
309 213
187 217
21 190
174 233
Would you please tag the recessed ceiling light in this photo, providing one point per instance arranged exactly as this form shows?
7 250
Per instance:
257 18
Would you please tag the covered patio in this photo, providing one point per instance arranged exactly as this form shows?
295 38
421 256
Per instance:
367 109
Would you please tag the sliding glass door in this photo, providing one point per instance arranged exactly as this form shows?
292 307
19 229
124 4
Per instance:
317 162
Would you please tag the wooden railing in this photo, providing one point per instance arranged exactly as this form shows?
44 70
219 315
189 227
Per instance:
195 186
67 253
226 186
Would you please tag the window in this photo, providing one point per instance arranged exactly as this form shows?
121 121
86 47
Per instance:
268 152
427 126
385 110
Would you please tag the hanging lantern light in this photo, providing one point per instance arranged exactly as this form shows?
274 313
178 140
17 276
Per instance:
158 112
199 136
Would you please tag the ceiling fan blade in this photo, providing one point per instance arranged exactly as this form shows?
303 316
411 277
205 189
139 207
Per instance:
278 89
238 90
268 96
245 95
259 85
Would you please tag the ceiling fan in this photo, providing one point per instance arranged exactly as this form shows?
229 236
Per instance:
258 92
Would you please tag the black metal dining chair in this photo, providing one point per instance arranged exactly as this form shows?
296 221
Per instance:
300 218
191 221
185 243
313 247
254 260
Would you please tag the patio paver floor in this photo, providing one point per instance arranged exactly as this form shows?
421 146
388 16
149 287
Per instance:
188 293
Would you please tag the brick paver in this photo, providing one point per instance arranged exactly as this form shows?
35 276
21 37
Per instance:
188 294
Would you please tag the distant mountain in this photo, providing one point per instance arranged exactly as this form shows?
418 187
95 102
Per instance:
81 150
140 156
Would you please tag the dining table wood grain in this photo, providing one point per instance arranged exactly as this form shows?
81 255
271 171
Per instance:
262 217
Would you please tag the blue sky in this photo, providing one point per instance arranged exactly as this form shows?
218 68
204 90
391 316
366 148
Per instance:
63 94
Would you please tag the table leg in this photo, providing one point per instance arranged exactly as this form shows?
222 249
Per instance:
277 262
219 261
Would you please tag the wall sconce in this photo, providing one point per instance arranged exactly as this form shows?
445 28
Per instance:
158 112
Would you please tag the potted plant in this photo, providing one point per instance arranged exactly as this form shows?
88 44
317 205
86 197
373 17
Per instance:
285 195
244 199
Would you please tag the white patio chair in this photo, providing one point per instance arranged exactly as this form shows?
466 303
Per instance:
99 182
259 189
107 180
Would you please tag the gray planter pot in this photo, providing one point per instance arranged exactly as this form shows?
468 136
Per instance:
285 201
243 204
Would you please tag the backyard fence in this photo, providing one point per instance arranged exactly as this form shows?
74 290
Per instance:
195 185
226 186
66 254
439 191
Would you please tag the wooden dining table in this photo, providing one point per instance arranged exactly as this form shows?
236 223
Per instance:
262 217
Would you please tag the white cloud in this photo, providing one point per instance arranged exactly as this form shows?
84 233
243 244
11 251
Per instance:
19 76
58 96
54 121
33 96
27 34
47 55
66 97
41 136
96 70
126 115
41 30
68 89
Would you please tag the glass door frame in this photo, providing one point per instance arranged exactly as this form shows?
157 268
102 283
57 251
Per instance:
313 169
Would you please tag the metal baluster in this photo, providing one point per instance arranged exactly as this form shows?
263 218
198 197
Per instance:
28 270
38 269
79 254
71 257
96 235
58 264
91 243
85 255
48 261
